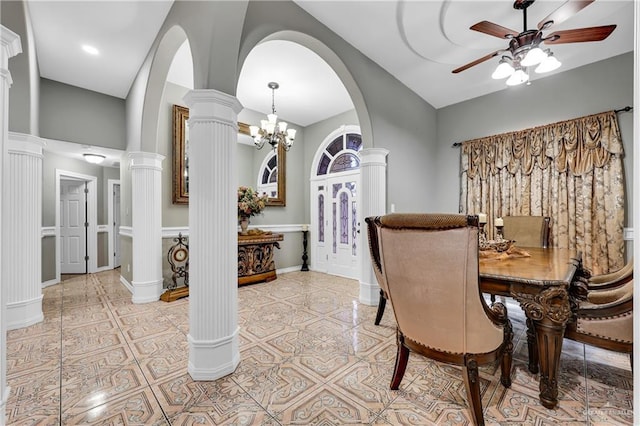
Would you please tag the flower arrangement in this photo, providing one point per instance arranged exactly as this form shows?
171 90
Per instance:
250 203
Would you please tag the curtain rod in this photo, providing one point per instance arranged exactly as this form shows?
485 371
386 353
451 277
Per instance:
625 109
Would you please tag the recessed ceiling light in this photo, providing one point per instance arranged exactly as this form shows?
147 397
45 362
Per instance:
90 49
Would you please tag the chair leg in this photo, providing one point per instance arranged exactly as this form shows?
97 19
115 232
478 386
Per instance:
381 305
472 384
402 357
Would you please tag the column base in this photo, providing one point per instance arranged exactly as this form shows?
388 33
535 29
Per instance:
24 313
3 404
369 293
212 359
146 291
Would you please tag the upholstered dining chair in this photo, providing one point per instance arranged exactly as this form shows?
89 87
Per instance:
527 231
372 233
605 318
430 265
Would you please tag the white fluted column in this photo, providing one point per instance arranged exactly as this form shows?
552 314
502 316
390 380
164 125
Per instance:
146 225
213 239
9 46
373 202
21 237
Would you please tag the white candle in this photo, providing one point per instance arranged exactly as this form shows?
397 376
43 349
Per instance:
482 218
305 227
499 221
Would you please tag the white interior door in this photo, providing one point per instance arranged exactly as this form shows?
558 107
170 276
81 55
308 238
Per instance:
341 212
73 233
116 225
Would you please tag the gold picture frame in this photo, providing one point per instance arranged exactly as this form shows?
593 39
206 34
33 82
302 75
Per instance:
180 155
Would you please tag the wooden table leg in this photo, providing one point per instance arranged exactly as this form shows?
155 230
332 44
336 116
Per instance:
549 338
549 312
532 346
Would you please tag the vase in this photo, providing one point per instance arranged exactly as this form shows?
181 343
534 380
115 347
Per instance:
244 224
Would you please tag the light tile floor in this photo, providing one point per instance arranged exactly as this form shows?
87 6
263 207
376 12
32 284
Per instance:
310 355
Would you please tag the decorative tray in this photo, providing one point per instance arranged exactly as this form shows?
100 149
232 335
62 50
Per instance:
496 245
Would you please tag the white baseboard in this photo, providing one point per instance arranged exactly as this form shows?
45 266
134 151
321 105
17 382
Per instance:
50 282
126 283
289 269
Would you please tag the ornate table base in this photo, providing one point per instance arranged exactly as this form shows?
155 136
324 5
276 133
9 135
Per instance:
255 258
546 285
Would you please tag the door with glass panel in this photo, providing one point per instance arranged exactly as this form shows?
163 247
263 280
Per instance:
343 224
335 189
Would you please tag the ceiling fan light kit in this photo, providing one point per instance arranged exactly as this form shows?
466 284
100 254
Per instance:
524 49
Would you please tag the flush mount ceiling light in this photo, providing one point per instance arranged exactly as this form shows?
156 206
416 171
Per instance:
94 158
90 49
524 48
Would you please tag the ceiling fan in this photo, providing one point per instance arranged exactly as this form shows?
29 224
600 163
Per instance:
524 48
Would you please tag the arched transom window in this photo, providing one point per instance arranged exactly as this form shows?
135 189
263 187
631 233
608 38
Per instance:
340 155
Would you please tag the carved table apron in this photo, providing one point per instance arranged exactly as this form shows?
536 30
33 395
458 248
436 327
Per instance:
255 257
544 286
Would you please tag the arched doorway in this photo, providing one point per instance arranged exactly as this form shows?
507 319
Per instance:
335 196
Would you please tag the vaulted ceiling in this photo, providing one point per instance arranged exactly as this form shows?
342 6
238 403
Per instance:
419 42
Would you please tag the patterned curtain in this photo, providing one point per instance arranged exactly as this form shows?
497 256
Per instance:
570 171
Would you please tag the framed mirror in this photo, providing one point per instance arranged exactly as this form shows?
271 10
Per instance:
180 154
272 177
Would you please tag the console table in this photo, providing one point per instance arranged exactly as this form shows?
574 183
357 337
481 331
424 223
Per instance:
255 257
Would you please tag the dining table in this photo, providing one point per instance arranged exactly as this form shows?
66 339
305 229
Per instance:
547 283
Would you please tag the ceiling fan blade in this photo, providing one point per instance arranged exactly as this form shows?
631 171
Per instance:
478 61
564 12
493 29
580 35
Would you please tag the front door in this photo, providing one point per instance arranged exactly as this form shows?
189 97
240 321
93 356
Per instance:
73 233
341 216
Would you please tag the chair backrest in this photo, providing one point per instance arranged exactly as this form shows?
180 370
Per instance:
374 251
527 231
430 264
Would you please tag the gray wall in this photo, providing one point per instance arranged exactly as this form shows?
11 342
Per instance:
25 90
72 114
48 258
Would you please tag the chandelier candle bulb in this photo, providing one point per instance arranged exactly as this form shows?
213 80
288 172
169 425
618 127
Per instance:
482 218
499 221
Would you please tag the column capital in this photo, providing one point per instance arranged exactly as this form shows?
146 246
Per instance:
145 160
207 104
25 144
373 156
10 45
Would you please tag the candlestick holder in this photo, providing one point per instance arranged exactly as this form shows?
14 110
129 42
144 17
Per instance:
499 234
482 234
305 267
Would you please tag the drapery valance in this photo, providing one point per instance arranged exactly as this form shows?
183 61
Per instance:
576 145
570 171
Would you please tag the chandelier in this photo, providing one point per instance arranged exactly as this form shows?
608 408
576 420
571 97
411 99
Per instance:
271 131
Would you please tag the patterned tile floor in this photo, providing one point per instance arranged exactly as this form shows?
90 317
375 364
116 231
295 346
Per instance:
310 355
